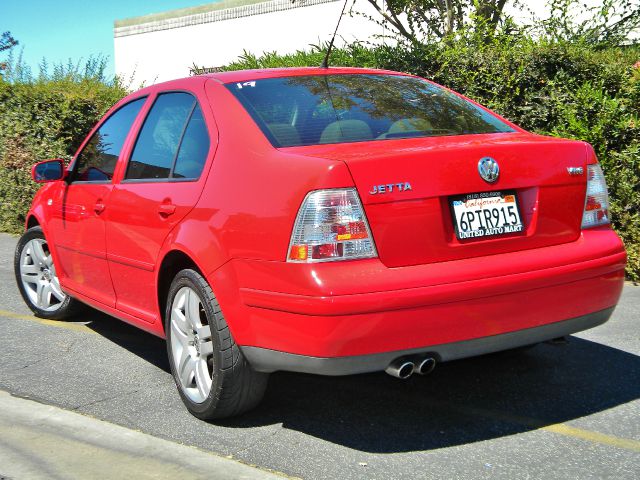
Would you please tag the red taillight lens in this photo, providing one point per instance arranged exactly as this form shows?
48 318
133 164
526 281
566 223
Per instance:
327 251
331 226
596 204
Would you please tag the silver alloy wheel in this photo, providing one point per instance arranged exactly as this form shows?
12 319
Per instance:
191 345
38 275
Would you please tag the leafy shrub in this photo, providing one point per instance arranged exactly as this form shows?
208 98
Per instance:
556 88
44 118
572 90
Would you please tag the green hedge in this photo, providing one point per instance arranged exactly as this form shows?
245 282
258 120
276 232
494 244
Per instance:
561 89
40 120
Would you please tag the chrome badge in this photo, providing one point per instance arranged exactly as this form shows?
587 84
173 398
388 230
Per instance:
575 170
488 169
390 187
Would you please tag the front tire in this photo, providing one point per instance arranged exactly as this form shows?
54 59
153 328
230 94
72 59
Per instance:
212 376
37 278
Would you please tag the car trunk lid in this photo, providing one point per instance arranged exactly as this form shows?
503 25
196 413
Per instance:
407 186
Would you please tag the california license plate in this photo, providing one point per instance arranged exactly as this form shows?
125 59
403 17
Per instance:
486 214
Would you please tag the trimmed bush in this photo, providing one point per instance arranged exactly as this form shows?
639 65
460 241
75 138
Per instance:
552 88
564 89
40 120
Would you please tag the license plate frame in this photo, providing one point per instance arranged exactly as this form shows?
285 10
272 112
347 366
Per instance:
489 224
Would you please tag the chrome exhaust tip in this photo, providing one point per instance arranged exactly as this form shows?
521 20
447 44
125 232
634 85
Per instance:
425 366
400 368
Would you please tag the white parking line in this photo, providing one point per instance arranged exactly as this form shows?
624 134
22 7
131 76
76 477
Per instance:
78 327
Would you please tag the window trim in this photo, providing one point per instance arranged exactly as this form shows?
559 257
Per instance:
170 178
72 172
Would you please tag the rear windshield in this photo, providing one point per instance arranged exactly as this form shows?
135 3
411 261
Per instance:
320 109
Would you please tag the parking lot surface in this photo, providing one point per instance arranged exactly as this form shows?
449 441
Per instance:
555 411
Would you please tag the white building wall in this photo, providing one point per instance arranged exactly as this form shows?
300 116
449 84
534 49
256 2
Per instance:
167 49
167 54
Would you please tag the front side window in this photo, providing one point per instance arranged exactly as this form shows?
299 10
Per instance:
320 109
173 142
97 160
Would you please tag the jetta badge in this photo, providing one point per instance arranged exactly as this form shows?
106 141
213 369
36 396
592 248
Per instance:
488 169
390 187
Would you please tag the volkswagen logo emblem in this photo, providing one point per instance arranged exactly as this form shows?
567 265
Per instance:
488 169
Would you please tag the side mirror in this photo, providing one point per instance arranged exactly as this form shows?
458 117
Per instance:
48 171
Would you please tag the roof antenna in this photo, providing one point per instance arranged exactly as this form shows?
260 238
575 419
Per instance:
325 62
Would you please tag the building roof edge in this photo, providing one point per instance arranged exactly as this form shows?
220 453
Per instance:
208 13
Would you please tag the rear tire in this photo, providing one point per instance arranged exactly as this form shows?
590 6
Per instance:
212 376
37 278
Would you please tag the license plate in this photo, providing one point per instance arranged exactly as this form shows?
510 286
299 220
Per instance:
486 214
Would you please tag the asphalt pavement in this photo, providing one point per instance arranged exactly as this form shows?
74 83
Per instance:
554 411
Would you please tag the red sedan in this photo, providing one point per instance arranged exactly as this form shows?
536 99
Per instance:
330 221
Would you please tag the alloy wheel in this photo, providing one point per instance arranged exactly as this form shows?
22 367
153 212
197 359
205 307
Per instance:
38 276
191 345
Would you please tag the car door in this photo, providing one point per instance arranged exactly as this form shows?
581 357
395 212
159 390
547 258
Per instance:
77 224
161 184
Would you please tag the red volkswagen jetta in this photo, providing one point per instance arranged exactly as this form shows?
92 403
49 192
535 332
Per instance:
330 221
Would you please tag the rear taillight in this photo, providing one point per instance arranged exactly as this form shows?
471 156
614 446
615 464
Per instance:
331 226
596 205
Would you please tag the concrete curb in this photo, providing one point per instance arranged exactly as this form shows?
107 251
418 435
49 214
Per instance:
41 441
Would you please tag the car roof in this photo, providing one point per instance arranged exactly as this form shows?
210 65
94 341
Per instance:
258 74
245 75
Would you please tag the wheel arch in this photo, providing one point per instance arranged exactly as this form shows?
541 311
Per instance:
31 221
173 261
36 218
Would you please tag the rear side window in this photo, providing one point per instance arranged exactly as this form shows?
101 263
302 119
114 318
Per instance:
194 147
173 142
97 160
319 109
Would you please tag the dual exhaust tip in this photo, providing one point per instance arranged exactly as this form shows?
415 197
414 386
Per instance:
405 367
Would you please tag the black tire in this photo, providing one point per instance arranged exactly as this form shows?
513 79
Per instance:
235 386
62 309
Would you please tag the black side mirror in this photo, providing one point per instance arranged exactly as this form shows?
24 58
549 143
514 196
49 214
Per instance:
48 171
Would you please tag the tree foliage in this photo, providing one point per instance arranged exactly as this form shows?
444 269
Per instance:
423 21
611 22
7 41
419 20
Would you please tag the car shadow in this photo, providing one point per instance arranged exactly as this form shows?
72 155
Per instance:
460 402
148 347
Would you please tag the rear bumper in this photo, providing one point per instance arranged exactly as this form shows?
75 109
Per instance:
316 318
382 301
266 360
